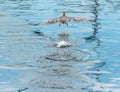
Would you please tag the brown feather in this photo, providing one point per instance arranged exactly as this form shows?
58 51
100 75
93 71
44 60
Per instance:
78 19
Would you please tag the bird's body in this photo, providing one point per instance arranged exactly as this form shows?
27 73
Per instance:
63 20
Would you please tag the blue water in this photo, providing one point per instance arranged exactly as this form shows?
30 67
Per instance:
30 60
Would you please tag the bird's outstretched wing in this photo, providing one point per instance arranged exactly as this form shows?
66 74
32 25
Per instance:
78 19
51 21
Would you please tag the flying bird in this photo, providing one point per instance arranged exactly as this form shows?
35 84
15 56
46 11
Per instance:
63 20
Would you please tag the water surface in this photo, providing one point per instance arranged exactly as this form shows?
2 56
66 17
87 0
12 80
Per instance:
30 60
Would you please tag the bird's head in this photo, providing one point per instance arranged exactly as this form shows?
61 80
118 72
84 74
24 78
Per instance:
64 13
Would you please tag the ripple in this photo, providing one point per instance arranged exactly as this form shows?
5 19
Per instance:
65 54
8 87
58 57
14 67
52 83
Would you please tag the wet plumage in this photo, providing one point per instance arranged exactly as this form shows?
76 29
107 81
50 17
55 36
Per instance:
63 20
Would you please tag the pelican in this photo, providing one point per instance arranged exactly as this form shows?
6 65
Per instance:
63 20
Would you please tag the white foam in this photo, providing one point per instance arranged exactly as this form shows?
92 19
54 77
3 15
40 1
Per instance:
62 44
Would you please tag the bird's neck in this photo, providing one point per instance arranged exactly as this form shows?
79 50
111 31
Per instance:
63 13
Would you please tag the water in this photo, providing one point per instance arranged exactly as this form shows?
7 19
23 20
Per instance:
30 60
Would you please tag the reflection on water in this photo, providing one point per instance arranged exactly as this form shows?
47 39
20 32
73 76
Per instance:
31 62
96 23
